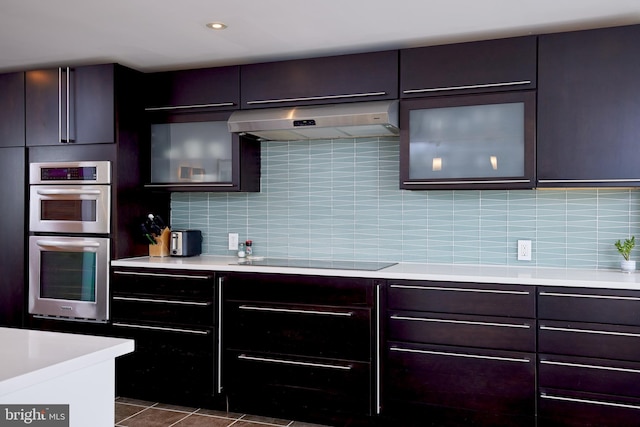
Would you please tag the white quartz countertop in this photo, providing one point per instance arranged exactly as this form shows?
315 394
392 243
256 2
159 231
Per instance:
29 357
612 279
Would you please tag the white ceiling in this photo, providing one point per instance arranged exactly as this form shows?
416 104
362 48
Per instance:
153 35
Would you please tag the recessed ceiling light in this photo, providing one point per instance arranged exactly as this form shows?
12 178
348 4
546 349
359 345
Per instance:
216 25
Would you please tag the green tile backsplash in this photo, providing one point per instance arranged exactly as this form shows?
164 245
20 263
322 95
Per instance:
340 199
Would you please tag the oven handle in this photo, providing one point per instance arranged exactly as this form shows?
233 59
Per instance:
70 192
62 244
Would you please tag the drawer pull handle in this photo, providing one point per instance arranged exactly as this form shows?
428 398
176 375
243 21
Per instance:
166 275
592 402
477 86
470 356
439 288
589 331
294 362
580 365
585 181
184 107
613 297
316 98
463 322
297 311
482 181
161 328
176 184
163 301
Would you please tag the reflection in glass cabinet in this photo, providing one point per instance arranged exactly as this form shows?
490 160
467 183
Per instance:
191 152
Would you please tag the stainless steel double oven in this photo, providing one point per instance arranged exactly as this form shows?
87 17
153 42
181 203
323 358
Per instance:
69 240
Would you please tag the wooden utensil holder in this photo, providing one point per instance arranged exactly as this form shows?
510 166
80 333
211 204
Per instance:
161 248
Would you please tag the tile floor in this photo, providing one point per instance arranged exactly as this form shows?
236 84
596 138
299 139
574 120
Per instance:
139 413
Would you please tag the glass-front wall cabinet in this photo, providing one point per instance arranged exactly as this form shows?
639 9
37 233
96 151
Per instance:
475 141
191 153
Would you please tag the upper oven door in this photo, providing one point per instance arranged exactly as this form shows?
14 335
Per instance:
70 208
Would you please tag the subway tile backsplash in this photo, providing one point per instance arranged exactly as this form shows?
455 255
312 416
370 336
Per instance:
339 199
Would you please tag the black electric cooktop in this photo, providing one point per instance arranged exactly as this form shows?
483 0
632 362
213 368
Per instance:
316 263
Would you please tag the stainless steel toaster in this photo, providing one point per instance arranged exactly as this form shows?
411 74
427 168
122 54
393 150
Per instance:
186 243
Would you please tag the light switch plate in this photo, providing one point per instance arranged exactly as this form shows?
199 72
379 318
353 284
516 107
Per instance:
233 241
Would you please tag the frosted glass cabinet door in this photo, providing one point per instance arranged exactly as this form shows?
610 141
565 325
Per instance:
465 142
194 152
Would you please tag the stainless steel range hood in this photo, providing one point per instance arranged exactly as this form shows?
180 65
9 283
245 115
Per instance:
355 120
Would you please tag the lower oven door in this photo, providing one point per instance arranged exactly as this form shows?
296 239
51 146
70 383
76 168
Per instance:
69 277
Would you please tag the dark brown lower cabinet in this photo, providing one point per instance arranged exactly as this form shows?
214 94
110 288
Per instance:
300 347
589 357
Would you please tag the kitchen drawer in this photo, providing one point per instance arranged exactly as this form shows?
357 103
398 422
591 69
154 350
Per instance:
257 380
169 365
461 330
163 310
590 305
320 331
567 409
275 288
479 380
175 284
589 340
589 375
467 298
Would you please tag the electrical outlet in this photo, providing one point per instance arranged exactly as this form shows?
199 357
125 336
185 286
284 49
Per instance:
233 241
524 250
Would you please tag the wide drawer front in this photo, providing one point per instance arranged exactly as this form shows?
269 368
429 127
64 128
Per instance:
469 331
570 409
298 382
590 305
319 331
481 380
589 340
446 297
165 311
589 375
163 283
289 289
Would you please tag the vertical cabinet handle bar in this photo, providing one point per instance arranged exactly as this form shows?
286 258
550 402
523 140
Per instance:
68 100
219 355
378 350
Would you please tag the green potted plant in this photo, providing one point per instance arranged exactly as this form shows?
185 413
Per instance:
625 250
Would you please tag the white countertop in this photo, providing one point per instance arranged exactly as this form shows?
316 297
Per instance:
29 357
611 279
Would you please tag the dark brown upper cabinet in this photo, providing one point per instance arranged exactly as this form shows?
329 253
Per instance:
589 108
12 107
70 105
472 67
207 89
325 80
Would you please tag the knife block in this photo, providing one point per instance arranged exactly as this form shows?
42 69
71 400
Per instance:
161 248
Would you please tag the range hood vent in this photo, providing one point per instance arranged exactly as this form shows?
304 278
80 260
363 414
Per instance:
355 120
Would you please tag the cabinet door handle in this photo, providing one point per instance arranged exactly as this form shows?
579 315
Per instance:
161 328
612 297
316 98
192 106
295 362
465 355
60 104
589 401
166 275
589 331
581 365
297 311
476 86
481 181
220 337
163 301
378 349
209 184
462 322
441 288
